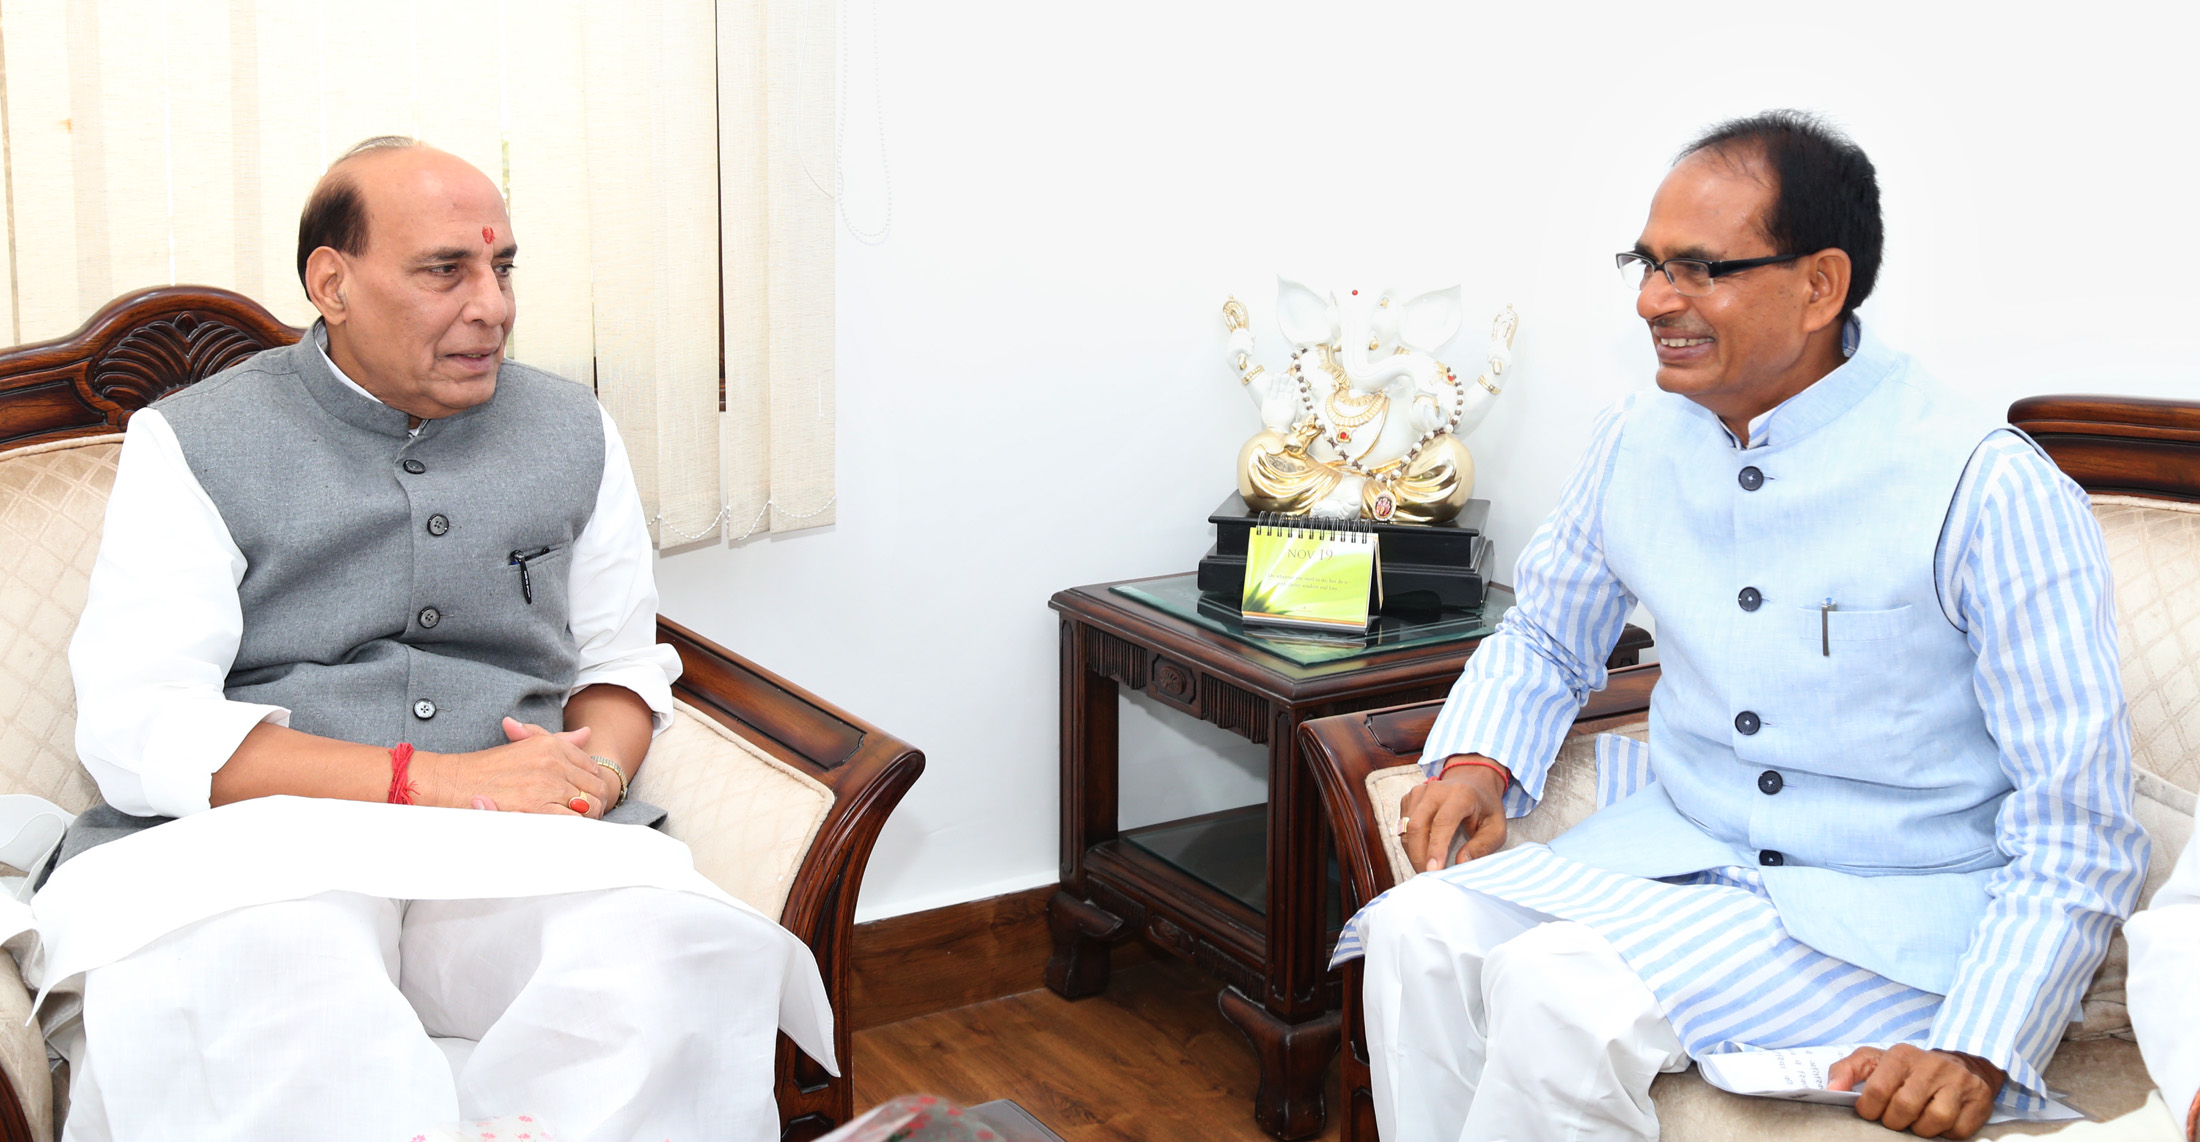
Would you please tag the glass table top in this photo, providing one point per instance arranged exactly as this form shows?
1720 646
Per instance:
1179 595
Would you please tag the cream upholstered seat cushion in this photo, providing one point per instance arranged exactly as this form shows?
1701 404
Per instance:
53 498
2154 547
748 817
2154 550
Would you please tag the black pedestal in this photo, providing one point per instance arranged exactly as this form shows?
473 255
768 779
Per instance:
1426 566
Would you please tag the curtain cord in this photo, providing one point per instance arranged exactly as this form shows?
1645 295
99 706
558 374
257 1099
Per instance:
658 521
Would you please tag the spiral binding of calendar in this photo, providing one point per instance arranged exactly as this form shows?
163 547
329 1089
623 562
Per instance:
1307 527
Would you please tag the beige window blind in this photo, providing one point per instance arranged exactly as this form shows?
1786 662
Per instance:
668 165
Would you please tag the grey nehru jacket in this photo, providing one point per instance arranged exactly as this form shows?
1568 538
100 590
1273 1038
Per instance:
398 587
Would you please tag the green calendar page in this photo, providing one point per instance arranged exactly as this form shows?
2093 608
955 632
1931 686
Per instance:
1310 575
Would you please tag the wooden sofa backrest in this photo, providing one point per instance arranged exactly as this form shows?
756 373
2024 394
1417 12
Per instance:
2132 446
2140 459
138 349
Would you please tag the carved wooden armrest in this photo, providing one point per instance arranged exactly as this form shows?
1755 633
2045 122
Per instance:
868 771
1341 751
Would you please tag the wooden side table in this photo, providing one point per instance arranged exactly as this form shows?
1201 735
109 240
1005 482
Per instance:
1243 893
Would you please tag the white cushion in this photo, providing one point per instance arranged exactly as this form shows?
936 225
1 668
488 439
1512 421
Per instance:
748 816
2154 549
53 498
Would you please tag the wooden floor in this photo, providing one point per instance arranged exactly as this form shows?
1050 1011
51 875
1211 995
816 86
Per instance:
1149 1060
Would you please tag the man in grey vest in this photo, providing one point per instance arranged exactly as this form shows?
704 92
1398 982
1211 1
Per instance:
388 567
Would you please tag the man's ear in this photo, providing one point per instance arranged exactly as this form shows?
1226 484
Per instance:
1829 287
325 273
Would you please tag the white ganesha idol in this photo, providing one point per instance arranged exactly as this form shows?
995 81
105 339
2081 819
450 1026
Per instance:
1366 421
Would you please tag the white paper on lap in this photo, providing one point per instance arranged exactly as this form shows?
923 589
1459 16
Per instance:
121 896
1797 1074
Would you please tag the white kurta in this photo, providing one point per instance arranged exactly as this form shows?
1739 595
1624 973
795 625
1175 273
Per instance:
150 658
2164 987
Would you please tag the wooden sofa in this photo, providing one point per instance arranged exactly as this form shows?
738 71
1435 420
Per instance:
2140 459
780 794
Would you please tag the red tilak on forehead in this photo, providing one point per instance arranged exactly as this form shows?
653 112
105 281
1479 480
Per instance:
488 235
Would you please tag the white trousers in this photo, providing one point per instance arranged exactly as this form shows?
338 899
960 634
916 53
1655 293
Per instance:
1486 1020
619 1014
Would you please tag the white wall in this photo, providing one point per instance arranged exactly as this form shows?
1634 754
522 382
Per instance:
1031 387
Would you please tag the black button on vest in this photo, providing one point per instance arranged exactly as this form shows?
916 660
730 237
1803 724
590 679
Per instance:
415 467
1769 783
429 616
1750 478
423 709
438 524
1770 859
1750 599
1747 723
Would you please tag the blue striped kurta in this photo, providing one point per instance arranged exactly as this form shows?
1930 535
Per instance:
2020 570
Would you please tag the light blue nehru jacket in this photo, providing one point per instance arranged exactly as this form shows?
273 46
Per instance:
1944 780
1846 744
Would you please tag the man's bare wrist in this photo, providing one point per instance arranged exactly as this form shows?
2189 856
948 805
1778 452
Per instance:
432 775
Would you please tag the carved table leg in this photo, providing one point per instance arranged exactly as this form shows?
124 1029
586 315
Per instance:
1082 930
1294 1060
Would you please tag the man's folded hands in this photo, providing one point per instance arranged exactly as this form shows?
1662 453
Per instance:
538 771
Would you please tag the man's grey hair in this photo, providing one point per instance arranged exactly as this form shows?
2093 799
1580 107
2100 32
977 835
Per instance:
335 216
377 143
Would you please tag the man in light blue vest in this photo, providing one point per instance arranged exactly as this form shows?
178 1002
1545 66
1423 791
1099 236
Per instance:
1886 800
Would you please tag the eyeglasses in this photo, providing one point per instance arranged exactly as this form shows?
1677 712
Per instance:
1691 277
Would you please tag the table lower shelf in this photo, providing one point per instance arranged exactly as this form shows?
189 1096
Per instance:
1184 913
1228 852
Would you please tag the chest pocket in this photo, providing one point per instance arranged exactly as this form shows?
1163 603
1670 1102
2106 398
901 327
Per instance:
539 571
1838 627
1848 688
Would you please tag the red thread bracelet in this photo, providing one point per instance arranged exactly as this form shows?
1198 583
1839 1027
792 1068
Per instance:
1501 770
401 787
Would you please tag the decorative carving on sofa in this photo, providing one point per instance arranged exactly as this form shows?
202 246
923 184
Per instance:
162 356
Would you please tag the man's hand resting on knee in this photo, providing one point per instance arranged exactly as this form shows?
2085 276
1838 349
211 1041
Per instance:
1932 1094
1468 799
